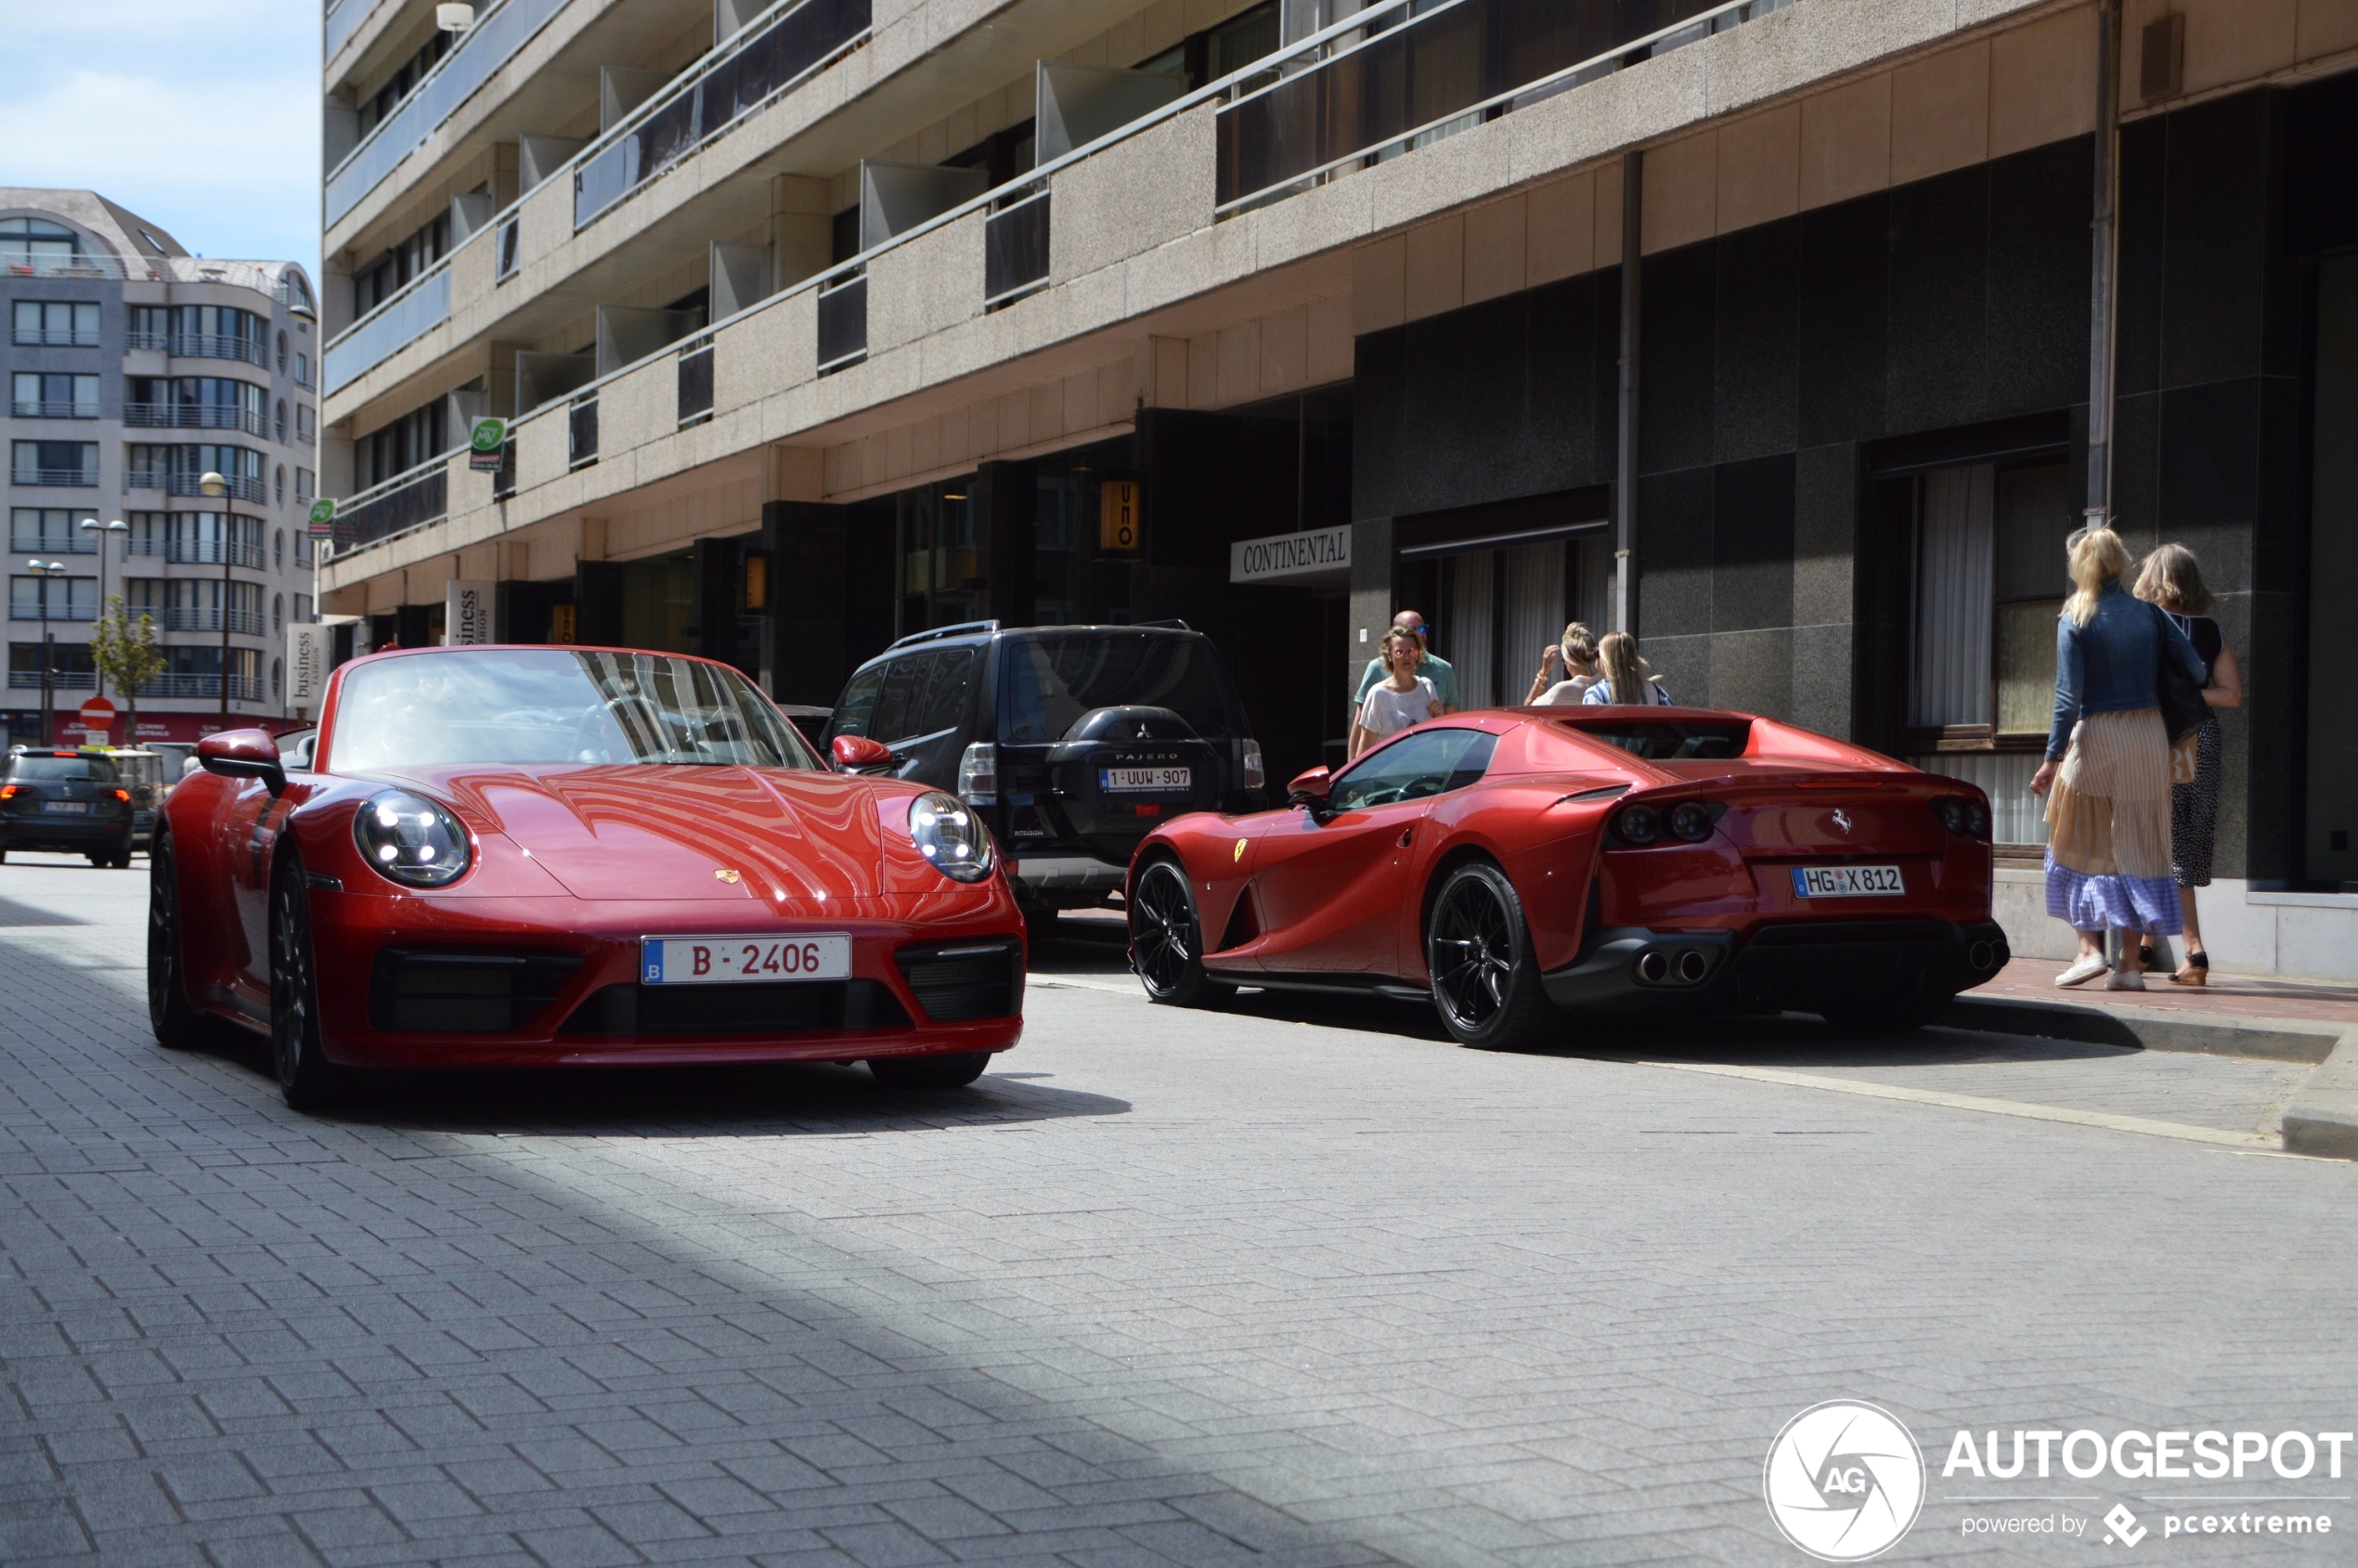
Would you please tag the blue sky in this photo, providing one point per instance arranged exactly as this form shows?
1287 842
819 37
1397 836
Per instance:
202 115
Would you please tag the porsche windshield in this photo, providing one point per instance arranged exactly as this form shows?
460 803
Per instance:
556 705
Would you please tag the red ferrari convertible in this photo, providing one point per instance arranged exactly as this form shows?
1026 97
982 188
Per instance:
508 856
1521 865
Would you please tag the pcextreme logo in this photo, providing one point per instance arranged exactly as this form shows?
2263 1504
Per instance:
1844 1480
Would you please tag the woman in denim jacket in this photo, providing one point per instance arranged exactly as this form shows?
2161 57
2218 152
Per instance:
2107 776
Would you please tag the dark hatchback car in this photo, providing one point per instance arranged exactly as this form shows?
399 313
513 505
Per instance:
70 801
1073 742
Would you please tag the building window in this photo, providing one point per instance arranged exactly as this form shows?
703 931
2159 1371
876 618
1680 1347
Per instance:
70 666
143 596
302 550
397 267
51 530
1988 583
55 324
219 331
35 394
303 608
36 244
197 403
302 371
54 462
69 599
304 429
305 485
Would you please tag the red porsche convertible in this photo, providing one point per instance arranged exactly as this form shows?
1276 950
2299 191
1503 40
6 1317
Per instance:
516 856
1521 865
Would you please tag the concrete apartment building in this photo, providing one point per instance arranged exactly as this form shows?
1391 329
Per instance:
1794 334
134 369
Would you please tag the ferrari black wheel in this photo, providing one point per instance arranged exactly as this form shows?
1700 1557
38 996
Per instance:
1166 944
948 1071
1485 977
305 1076
178 1026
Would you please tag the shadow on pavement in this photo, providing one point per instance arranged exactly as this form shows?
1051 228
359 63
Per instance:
15 913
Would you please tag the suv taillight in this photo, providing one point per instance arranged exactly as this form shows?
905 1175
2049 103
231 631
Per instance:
978 774
1255 773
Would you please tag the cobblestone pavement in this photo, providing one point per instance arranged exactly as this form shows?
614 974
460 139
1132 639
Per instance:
1299 1284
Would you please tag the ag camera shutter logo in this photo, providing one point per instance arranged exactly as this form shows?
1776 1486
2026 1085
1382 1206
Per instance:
1844 1480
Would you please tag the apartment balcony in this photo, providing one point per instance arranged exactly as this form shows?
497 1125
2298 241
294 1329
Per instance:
205 345
197 552
24 263
177 683
67 478
244 487
55 337
54 411
195 416
399 505
60 680
203 618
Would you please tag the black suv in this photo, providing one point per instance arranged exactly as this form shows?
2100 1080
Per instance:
1073 740
72 801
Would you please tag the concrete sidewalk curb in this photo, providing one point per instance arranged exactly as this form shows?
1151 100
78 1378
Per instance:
2322 1118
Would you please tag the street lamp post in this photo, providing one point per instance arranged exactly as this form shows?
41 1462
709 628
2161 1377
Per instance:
92 526
213 485
44 570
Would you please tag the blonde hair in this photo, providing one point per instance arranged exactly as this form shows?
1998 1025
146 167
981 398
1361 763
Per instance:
1579 645
2172 579
1398 635
1623 670
2097 557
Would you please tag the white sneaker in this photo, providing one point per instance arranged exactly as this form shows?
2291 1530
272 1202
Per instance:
2083 971
2125 980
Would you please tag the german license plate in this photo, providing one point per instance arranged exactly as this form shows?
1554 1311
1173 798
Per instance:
68 808
1847 881
735 960
1156 780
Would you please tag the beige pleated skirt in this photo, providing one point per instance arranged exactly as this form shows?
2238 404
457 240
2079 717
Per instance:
2108 826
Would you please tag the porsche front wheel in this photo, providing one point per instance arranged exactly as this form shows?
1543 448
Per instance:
178 1026
305 1076
1485 977
1166 943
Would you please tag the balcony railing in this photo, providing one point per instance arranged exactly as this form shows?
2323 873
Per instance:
401 503
55 337
1014 250
376 336
696 383
342 20
54 411
211 345
185 683
20 261
80 542
70 478
500 29
581 433
194 416
761 62
60 680
203 618
201 550
244 487
1259 162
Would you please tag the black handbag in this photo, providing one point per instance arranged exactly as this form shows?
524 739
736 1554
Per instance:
2182 710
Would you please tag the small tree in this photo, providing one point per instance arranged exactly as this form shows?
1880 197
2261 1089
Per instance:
124 651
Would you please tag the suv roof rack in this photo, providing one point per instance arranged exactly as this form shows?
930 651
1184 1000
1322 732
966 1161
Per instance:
961 629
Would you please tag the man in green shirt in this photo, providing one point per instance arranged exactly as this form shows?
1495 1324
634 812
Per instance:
1433 668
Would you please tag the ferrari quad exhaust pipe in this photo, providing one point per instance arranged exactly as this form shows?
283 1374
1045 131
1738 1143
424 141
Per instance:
1691 967
1664 966
1986 956
1654 966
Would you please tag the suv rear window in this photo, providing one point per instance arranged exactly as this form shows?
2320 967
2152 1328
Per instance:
1053 680
916 695
95 769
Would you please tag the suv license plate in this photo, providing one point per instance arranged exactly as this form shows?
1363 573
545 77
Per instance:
1847 881
733 960
1158 780
72 808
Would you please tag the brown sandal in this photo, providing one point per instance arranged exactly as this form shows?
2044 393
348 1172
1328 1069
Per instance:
2196 972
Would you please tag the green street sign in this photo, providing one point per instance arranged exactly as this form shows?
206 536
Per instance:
323 518
487 445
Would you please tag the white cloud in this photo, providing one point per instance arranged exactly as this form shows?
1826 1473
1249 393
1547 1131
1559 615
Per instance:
203 118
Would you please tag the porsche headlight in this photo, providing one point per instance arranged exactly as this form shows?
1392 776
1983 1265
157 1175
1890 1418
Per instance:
408 839
948 833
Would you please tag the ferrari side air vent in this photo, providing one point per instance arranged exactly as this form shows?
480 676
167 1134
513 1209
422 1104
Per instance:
788 1007
956 981
1244 923
414 993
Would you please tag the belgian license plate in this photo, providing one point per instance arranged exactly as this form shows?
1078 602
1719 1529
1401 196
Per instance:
70 808
1161 780
1847 881
733 960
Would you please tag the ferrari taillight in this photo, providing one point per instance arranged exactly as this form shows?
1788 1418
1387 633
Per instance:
1963 815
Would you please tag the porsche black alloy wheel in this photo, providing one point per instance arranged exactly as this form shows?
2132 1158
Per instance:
1166 945
949 1071
1486 978
305 1076
178 1026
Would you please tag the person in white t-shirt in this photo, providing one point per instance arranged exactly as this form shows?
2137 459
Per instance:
1403 698
1578 650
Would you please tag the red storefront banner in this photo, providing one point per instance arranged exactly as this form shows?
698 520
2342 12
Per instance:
24 728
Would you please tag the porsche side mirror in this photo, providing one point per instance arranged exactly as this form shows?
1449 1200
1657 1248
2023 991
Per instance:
1310 789
245 754
854 752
